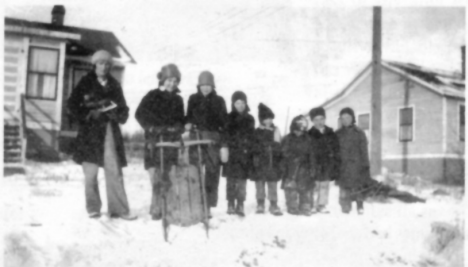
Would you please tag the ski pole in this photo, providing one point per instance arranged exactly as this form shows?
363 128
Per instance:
202 182
165 224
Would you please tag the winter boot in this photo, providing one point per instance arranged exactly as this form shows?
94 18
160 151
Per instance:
156 217
94 215
240 208
274 209
323 209
293 211
231 210
306 210
260 206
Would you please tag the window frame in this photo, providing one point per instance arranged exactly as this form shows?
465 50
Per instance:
28 71
413 132
460 105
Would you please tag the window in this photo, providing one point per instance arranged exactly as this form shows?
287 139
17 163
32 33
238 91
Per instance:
42 73
462 123
363 122
406 124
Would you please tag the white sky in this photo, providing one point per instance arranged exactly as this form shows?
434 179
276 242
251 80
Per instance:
288 55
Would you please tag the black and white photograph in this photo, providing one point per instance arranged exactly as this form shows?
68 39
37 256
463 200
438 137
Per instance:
233 133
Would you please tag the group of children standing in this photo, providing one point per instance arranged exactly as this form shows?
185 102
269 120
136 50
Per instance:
303 162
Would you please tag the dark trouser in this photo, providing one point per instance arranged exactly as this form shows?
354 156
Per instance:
212 167
297 199
116 196
156 198
348 195
236 189
272 190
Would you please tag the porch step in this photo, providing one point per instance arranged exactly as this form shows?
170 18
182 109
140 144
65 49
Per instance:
12 144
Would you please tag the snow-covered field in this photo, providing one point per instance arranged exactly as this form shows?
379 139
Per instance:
46 225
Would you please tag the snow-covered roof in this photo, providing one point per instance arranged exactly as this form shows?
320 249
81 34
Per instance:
441 82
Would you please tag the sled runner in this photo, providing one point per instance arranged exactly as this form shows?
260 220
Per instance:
182 188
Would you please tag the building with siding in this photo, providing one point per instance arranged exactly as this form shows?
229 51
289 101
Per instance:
423 113
43 63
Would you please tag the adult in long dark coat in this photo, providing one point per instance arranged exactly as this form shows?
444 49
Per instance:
239 139
328 157
354 167
267 160
99 142
161 114
299 167
206 112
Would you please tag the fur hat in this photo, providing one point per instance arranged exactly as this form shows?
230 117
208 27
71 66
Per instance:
299 123
101 55
350 112
239 95
169 71
206 78
265 112
316 112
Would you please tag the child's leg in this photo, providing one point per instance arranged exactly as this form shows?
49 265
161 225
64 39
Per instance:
272 191
260 190
345 200
323 191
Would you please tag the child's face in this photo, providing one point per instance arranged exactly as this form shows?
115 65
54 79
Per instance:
346 120
239 105
206 89
319 121
268 122
170 84
298 132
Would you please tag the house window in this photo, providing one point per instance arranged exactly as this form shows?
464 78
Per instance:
406 124
42 73
462 123
363 121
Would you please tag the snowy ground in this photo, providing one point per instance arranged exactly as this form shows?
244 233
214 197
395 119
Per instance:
46 225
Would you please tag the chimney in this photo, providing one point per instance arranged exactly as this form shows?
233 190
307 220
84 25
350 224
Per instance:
58 15
463 62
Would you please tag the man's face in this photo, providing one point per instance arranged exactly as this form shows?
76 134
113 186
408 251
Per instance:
319 121
268 122
206 89
346 120
170 84
103 68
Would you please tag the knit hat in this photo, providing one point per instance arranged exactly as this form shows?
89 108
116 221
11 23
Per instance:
239 95
169 71
101 55
206 78
316 112
264 112
350 112
299 123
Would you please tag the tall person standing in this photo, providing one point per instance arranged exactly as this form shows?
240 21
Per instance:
354 167
206 112
99 142
161 114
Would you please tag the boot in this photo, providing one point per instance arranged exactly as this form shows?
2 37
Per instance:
94 215
240 208
261 206
360 207
293 211
306 211
231 210
274 209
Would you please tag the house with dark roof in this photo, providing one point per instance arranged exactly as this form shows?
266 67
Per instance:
43 62
423 118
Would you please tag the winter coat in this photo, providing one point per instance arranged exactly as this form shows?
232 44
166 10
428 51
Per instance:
239 138
89 146
266 155
327 153
354 166
298 163
207 113
161 113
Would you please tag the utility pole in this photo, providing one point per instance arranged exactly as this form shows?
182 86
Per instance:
376 97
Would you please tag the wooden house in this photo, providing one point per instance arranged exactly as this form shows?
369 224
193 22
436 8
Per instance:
42 64
423 118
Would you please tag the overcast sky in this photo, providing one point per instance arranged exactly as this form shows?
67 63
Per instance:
282 55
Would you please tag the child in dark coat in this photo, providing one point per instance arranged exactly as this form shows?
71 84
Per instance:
239 139
267 157
298 167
